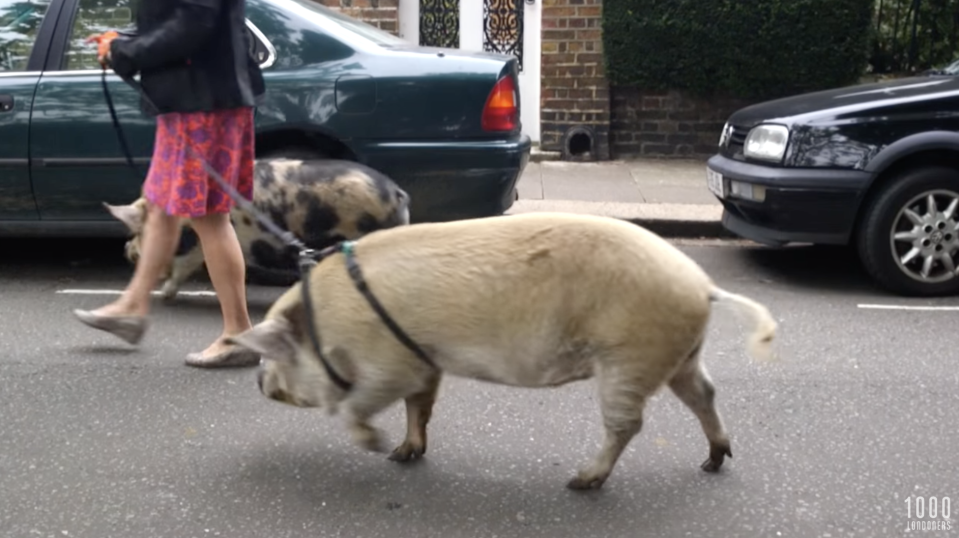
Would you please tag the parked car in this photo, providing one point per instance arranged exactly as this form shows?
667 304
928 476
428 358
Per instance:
873 166
444 124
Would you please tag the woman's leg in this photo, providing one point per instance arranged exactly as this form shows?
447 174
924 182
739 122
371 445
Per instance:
161 233
126 317
233 133
227 270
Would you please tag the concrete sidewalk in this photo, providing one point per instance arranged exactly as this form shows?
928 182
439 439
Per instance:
667 196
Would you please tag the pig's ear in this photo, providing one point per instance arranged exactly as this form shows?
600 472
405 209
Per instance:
272 339
130 214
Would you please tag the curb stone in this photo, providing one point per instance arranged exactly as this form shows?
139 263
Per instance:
537 155
667 220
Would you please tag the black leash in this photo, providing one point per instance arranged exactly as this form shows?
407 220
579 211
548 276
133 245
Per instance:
308 258
307 262
357 276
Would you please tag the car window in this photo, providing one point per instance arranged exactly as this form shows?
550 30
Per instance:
98 16
19 22
262 52
94 17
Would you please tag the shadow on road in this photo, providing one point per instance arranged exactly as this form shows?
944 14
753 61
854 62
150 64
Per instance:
43 259
815 268
434 498
39 252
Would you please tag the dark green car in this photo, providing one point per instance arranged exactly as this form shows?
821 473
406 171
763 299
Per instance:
444 124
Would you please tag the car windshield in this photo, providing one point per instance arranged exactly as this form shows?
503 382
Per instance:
360 28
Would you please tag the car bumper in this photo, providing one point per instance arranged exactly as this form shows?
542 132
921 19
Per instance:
798 205
452 180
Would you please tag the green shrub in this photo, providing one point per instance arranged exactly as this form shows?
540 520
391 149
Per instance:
754 49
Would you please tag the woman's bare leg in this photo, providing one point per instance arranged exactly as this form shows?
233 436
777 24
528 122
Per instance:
227 269
161 233
126 317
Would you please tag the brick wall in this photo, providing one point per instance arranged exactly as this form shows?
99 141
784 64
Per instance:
384 14
575 93
666 123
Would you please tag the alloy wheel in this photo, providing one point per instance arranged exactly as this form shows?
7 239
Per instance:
925 236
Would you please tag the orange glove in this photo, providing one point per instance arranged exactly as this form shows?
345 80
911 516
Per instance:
103 45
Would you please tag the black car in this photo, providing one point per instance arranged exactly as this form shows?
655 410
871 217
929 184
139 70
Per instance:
873 165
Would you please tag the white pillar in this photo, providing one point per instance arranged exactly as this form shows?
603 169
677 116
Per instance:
409 15
471 25
530 78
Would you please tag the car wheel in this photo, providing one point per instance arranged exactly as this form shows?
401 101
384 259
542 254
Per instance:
909 237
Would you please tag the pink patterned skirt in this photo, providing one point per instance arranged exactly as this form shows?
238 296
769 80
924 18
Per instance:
177 181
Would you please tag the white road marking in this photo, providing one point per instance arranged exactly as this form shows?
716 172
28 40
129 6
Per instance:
201 293
907 307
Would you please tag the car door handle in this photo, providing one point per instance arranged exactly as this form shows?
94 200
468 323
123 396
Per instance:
6 102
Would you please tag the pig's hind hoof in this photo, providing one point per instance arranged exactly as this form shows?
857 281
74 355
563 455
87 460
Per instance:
585 484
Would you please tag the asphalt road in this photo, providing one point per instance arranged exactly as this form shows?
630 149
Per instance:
99 440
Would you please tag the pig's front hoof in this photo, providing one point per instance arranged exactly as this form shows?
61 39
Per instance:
717 454
407 452
368 438
169 291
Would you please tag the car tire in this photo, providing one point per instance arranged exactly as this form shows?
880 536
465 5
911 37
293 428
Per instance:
931 235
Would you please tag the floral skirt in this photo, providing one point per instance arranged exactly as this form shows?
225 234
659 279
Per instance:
178 182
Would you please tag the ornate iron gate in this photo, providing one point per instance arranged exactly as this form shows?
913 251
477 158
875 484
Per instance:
440 23
503 27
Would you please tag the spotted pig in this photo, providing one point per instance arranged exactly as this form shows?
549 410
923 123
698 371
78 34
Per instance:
319 201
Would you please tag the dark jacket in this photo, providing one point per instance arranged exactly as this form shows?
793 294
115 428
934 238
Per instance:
192 55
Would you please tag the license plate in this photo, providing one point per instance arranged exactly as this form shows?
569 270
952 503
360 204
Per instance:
714 180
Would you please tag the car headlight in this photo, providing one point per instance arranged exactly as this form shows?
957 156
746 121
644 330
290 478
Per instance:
767 142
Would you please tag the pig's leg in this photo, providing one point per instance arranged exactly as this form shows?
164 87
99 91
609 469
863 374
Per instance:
691 384
375 397
419 409
622 400
183 265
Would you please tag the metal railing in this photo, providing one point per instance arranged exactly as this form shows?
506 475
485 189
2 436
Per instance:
914 35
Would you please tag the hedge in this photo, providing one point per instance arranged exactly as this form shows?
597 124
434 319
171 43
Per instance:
756 49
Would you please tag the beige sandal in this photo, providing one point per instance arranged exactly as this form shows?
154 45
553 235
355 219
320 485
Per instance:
128 328
235 357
